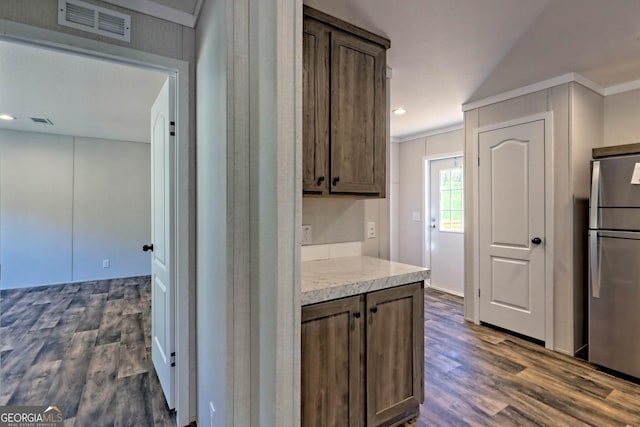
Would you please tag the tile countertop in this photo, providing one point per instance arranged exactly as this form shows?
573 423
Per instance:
334 278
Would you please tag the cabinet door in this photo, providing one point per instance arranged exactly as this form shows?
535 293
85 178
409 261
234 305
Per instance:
395 354
358 115
332 369
315 107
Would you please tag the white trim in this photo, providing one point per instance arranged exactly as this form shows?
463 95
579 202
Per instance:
622 87
547 117
545 84
447 155
428 133
446 291
157 10
52 40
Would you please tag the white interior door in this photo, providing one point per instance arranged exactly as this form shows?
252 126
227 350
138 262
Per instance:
446 240
162 278
511 228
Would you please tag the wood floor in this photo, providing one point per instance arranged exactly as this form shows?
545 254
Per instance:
84 347
477 376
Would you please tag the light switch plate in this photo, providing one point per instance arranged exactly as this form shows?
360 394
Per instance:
307 237
415 216
371 230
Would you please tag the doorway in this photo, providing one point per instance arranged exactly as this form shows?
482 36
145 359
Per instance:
179 209
444 223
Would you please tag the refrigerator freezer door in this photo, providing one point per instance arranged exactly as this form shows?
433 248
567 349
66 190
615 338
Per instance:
614 318
616 189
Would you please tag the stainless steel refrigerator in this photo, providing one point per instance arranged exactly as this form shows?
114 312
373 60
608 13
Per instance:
614 264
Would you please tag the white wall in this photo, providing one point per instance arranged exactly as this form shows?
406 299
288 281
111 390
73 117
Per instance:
411 189
249 212
621 124
394 210
36 200
211 106
67 204
334 220
111 208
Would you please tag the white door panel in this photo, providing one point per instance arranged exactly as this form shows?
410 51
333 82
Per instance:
446 248
515 274
512 206
163 286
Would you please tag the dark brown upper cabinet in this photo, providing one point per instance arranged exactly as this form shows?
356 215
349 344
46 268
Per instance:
344 108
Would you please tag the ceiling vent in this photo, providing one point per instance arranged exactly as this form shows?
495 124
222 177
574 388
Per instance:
41 120
94 19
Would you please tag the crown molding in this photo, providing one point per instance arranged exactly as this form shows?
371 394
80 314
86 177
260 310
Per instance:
428 133
622 87
525 90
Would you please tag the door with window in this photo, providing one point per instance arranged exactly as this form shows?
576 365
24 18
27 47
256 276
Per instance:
511 228
446 232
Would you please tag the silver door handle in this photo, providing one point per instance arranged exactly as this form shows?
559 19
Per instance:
595 194
594 262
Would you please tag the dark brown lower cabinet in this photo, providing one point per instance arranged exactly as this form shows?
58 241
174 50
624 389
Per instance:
332 343
362 359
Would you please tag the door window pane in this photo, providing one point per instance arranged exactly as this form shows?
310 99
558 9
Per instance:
451 200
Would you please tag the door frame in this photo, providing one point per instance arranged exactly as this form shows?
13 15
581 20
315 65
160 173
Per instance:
13 32
549 196
426 194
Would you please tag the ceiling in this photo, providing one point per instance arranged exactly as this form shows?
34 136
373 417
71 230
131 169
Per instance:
444 53
81 96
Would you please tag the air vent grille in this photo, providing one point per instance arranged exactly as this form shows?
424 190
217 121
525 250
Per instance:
80 15
41 120
111 24
95 19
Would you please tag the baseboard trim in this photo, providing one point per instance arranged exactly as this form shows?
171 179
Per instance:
445 290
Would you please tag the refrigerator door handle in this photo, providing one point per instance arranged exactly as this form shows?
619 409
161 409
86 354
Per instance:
594 262
595 194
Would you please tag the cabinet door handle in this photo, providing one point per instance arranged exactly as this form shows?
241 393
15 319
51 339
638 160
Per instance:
374 309
320 180
336 180
356 315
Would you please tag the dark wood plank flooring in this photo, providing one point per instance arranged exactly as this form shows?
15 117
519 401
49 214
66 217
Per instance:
478 376
84 347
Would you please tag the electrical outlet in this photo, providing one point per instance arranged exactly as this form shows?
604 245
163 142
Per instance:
371 230
306 235
106 263
415 216
212 414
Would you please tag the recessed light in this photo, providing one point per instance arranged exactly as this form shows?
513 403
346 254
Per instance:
399 111
6 117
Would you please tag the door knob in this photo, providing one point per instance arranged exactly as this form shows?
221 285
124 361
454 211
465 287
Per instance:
147 248
536 240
